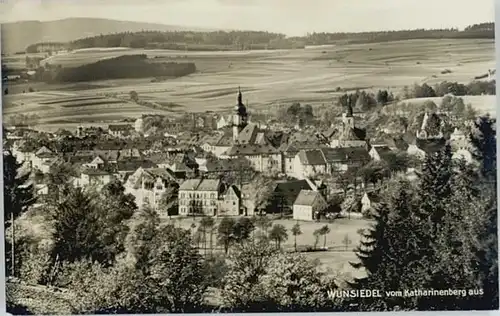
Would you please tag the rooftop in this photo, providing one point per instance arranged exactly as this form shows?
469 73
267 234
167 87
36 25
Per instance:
307 197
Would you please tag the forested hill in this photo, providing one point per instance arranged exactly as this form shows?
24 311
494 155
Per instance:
483 30
187 40
17 36
252 40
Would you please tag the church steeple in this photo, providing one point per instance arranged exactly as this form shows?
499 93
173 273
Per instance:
240 97
348 117
240 117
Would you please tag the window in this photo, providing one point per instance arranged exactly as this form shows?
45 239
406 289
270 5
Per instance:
234 203
183 195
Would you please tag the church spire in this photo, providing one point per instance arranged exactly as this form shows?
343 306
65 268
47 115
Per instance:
240 96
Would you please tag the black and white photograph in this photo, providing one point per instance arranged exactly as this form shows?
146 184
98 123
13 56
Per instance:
248 156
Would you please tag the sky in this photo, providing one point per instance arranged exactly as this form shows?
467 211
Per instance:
291 17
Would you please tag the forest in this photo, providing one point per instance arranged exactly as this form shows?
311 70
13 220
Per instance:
252 40
122 67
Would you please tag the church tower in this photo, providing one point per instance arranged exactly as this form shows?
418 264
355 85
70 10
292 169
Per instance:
348 118
240 116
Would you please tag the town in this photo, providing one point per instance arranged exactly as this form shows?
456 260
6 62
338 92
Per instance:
154 168
231 165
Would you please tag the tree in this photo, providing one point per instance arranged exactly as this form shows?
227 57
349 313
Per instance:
483 140
58 176
242 229
170 262
316 235
206 225
375 171
117 208
261 191
169 201
293 283
382 97
76 228
225 233
296 232
279 234
371 257
263 223
324 231
346 241
134 96
18 197
18 193
246 266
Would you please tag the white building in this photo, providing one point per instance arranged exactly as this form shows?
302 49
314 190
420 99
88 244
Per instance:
199 196
308 205
139 125
93 177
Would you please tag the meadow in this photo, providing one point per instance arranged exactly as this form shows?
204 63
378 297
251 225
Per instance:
334 262
270 78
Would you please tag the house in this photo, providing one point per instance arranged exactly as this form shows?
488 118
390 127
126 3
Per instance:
423 147
120 130
458 140
290 150
369 202
42 158
310 163
284 195
199 196
229 202
148 186
223 122
97 163
379 152
93 177
219 143
258 147
308 205
24 152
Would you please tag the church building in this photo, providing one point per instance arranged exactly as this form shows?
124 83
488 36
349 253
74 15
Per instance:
348 135
256 145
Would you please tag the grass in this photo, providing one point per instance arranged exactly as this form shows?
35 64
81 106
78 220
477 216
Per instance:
334 262
277 77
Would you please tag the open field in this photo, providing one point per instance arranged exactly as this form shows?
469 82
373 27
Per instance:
273 77
334 261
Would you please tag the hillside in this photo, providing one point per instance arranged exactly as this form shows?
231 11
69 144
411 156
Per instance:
16 36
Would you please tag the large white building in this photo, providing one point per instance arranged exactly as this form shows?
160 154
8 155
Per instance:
199 196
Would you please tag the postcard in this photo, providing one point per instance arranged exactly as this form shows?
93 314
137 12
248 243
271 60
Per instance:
257 156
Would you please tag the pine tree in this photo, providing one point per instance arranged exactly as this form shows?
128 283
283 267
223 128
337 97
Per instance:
18 197
483 139
18 194
76 228
371 254
389 253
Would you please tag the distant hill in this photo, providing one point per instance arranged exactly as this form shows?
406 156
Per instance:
16 36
